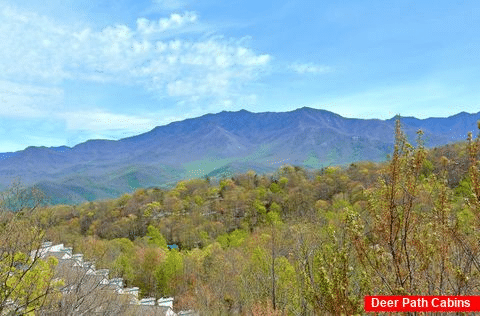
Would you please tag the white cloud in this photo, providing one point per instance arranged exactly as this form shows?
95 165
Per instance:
206 68
175 21
32 47
36 50
310 68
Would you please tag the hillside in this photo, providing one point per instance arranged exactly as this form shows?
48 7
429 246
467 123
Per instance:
216 145
292 242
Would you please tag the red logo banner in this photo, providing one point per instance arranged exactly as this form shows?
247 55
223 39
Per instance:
421 303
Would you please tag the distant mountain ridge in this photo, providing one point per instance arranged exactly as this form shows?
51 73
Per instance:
217 145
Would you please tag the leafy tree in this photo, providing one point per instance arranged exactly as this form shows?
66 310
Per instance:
390 243
234 239
26 280
155 237
169 272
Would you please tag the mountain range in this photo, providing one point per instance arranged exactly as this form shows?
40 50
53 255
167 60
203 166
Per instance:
217 145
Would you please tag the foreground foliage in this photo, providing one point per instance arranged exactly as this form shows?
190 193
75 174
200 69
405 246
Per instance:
26 281
296 242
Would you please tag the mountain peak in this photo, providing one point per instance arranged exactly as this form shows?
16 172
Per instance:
309 110
239 111
461 114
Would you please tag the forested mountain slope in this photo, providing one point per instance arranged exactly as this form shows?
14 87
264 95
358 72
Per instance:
295 241
216 145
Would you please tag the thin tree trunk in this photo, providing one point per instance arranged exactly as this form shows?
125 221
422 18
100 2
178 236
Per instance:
273 269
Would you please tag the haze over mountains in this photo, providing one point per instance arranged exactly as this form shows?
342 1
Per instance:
216 145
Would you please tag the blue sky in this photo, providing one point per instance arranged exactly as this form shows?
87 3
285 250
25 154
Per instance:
72 70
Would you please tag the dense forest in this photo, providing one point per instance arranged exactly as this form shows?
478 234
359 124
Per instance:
295 242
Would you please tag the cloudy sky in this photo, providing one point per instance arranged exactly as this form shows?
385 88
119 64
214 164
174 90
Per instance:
72 70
